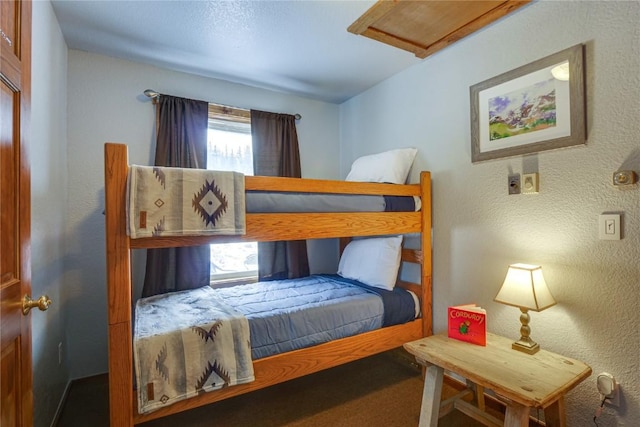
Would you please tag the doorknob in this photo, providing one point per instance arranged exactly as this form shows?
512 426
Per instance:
42 303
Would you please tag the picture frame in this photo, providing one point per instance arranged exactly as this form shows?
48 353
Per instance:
531 108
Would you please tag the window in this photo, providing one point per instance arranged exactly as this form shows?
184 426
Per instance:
229 149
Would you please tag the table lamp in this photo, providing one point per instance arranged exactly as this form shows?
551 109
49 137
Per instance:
525 288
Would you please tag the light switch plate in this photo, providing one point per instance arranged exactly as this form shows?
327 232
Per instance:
609 227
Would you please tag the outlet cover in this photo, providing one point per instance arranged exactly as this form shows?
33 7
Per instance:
513 184
609 389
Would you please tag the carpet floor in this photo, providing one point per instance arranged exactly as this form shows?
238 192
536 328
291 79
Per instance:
382 390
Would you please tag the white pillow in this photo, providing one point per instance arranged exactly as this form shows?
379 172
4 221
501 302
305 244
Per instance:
373 261
390 166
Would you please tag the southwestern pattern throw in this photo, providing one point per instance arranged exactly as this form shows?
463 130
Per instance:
164 201
186 343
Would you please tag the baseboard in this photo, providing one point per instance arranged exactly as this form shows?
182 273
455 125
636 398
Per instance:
63 400
65 395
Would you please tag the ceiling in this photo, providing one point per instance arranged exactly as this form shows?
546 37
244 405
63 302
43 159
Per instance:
300 47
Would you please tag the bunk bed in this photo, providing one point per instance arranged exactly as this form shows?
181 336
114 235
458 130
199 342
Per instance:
261 227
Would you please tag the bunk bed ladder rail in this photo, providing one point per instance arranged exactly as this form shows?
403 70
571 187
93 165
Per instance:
121 394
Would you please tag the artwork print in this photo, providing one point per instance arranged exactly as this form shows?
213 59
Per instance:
526 110
539 106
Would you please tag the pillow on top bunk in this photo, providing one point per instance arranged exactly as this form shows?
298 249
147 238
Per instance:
390 166
374 261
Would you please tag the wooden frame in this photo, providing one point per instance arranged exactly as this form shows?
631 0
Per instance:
539 106
425 27
264 227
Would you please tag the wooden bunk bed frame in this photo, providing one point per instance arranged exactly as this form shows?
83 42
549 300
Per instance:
260 227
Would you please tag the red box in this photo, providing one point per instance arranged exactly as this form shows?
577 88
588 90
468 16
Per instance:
468 323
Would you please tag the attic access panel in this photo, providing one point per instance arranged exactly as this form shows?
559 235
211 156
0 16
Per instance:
424 27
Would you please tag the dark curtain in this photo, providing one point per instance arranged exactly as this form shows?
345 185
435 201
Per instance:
181 141
276 153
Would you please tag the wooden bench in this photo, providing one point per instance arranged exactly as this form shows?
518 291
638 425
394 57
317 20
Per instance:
519 380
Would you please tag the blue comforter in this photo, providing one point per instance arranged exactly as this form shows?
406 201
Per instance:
286 315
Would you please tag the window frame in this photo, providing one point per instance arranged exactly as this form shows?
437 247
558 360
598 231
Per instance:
218 117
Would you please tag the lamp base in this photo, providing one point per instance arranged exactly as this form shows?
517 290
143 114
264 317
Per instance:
529 347
525 344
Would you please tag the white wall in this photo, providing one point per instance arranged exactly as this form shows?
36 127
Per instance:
48 146
479 230
106 104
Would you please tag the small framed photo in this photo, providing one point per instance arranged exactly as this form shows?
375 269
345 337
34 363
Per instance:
539 106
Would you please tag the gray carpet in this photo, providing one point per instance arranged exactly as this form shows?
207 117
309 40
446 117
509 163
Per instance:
382 390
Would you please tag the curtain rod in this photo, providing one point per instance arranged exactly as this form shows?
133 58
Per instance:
150 93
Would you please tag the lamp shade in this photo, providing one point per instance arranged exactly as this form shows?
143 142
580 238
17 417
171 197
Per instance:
524 287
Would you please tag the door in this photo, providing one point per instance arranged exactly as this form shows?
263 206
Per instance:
16 401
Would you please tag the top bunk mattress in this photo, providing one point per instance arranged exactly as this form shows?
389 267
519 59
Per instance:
266 201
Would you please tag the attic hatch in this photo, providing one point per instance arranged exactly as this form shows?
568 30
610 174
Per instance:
425 27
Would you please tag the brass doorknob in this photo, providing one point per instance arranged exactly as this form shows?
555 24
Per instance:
41 303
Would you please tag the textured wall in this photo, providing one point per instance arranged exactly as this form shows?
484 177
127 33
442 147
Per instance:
478 230
105 103
48 146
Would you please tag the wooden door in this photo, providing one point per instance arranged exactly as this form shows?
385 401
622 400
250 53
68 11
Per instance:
16 401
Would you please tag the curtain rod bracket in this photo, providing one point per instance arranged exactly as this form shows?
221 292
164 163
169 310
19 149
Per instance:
152 93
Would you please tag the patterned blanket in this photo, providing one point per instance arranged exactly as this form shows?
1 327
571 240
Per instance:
165 201
187 343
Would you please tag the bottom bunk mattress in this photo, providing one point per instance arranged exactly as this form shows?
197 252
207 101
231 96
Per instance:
287 315
193 341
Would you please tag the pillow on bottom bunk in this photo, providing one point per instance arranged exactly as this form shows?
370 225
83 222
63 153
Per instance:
374 261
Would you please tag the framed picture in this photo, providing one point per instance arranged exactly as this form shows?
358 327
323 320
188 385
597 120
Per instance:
539 106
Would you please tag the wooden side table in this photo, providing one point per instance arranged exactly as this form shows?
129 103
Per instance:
520 380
